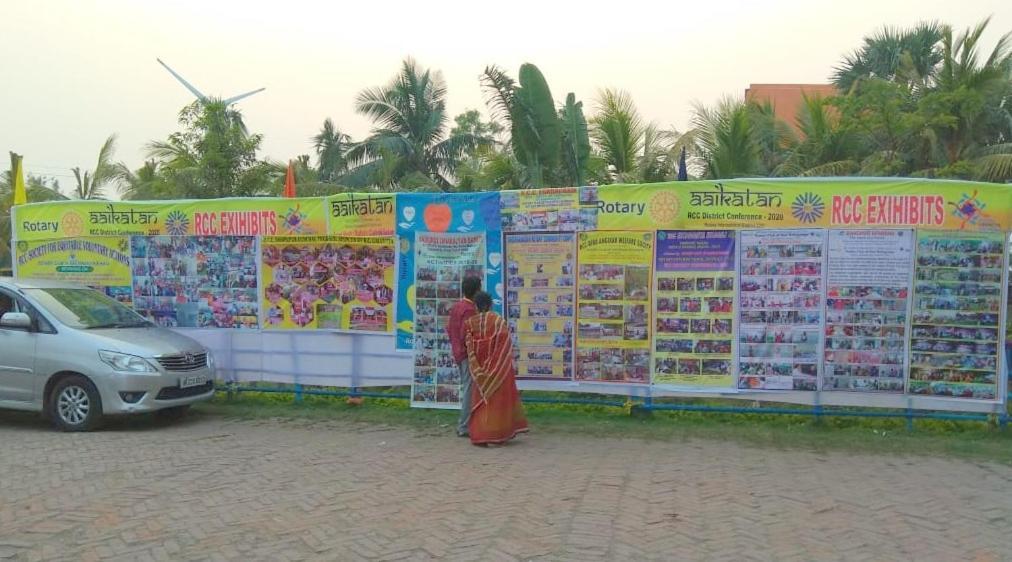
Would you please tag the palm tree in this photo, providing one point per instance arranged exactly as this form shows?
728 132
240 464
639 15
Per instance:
618 131
91 184
410 134
725 140
975 93
331 146
905 56
829 147
146 183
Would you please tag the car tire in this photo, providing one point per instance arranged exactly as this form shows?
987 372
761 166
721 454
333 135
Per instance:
174 413
75 405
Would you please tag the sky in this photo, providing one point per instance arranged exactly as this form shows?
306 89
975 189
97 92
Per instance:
76 72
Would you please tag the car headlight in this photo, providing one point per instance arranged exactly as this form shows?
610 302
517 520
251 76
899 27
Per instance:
210 361
126 363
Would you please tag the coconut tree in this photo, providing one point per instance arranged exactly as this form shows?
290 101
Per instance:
331 147
91 184
829 148
967 109
618 131
725 140
410 133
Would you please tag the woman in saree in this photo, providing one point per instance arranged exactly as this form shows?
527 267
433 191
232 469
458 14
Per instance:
497 414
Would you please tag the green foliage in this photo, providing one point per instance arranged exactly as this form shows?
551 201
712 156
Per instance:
618 131
331 147
727 141
535 128
409 136
575 141
91 184
213 156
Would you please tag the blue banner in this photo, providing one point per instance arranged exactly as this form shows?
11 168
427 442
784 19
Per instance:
451 213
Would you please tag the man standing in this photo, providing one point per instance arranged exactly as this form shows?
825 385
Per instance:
459 313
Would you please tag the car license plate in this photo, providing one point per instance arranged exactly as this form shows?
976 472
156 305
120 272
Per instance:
187 382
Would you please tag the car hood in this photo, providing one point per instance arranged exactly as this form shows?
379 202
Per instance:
145 342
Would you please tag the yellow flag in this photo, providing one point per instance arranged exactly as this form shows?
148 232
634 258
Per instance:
20 196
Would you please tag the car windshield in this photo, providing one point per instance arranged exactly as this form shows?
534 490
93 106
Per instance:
86 309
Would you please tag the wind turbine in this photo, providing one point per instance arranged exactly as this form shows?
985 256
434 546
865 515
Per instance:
202 97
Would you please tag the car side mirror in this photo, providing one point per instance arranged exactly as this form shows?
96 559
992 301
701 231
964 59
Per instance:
18 320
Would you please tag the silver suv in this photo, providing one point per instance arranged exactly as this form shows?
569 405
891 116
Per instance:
76 354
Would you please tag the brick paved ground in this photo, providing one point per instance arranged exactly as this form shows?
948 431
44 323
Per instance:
208 489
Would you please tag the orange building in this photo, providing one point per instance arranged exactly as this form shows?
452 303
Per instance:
787 98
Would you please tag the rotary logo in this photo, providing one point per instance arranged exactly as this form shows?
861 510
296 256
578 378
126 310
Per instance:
664 207
177 223
808 207
72 224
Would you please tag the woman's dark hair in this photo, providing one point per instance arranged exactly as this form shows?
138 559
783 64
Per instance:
469 286
483 301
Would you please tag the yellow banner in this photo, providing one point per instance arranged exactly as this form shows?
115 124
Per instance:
361 214
794 203
613 315
96 262
328 283
212 217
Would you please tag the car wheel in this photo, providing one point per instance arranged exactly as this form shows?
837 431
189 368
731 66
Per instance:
172 414
75 405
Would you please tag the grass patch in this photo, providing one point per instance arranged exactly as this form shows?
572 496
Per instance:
964 439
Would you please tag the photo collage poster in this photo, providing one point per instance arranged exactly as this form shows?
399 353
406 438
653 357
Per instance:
780 304
328 283
559 209
956 335
613 306
694 308
460 213
442 261
196 281
541 303
867 301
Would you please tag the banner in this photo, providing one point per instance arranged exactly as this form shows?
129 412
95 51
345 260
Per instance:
361 214
868 295
444 212
807 203
442 261
565 209
613 313
247 216
780 299
101 263
694 308
956 315
328 283
540 303
196 281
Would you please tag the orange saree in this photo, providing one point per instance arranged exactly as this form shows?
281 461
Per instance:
496 412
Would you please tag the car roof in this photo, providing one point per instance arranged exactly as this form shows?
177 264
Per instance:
22 283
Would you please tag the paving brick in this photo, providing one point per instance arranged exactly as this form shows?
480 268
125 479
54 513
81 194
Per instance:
208 489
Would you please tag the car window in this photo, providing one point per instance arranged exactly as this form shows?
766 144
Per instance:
6 303
86 309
